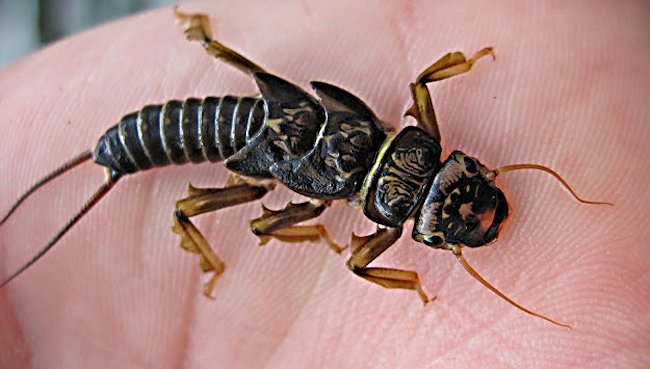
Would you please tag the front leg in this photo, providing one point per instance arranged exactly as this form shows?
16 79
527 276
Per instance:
452 64
368 248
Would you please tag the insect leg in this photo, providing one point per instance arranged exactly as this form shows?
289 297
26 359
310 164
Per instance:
280 224
452 64
201 201
197 28
367 248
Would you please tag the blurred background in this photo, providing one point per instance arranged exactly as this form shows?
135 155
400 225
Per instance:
26 25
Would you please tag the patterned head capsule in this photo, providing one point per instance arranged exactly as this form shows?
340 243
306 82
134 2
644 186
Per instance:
463 206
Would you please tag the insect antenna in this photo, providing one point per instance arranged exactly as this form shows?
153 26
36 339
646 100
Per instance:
491 175
459 255
510 168
111 179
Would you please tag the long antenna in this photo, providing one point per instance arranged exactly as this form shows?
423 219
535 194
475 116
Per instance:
459 255
510 168
84 156
456 249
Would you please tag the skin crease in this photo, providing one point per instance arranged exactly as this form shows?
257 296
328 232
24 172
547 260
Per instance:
568 89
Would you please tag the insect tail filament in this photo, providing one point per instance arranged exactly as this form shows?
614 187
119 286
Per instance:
111 179
84 156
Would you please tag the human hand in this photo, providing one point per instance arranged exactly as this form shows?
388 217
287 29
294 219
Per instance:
568 89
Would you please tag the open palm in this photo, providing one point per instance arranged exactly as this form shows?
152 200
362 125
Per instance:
568 89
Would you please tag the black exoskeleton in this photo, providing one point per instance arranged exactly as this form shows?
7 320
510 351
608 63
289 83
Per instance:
328 148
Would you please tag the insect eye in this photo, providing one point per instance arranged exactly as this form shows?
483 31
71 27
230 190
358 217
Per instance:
433 241
470 165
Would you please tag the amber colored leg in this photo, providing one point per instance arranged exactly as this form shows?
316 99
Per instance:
368 248
204 200
280 224
197 28
452 64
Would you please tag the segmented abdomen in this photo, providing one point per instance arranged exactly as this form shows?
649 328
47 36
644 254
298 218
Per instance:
178 132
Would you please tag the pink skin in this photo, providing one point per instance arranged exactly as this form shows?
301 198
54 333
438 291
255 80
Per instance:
569 89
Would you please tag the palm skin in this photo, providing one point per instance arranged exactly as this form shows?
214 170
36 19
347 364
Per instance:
568 89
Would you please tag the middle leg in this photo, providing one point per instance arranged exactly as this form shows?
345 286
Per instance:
281 224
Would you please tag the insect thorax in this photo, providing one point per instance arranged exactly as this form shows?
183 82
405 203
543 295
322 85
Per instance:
343 152
395 185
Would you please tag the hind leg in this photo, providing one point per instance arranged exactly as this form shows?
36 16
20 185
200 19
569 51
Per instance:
201 201
197 28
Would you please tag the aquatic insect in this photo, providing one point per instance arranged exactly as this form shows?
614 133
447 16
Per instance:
328 148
